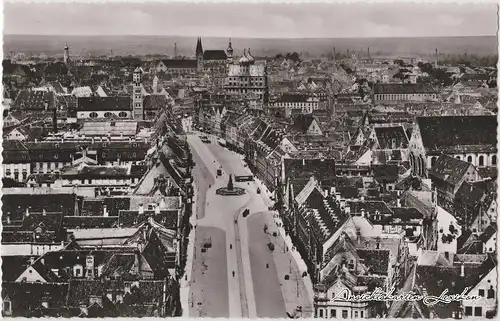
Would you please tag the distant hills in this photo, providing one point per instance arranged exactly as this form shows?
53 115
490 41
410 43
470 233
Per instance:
164 45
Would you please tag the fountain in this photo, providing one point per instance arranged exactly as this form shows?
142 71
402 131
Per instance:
230 189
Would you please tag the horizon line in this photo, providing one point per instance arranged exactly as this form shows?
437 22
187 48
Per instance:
237 37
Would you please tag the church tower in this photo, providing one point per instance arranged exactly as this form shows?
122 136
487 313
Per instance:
66 54
137 99
199 55
229 51
155 84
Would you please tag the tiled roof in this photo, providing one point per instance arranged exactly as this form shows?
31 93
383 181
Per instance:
180 63
403 89
72 222
375 260
53 293
15 205
214 55
14 152
50 222
449 169
391 137
369 207
155 102
104 103
302 122
385 173
302 169
488 233
97 171
167 218
447 131
34 100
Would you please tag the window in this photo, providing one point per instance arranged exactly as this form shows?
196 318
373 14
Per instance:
122 114
361 314
320 313
433 160
333 313
478 311
468 311
355 314
481 293
93 115
344 314
469 159
494 160
481 160
107 114
6 306
491 293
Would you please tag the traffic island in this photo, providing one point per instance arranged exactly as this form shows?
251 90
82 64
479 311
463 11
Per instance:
230 189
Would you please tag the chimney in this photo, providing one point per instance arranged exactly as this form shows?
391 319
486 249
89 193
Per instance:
462 270
105 211
44 212
46 105
141 209
363 213
157 209
342 203
398 202
32 260
347 210
362 198
8 219
326 192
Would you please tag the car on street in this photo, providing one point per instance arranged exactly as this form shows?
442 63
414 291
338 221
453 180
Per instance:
258 190
246 212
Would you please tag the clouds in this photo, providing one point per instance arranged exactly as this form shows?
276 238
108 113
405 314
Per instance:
252 20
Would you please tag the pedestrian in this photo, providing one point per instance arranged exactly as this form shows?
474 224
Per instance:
230 246
267 265
233 274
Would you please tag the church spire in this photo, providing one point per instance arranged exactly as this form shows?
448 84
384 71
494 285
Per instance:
229 49
199 47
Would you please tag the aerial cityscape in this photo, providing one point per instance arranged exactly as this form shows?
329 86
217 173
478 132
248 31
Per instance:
246 160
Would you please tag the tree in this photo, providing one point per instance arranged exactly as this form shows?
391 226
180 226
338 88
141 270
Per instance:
399 62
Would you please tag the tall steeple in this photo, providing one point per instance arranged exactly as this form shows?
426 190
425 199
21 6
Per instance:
199 47
199 55
229 50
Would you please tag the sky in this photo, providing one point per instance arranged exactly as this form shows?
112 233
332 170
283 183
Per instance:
252 20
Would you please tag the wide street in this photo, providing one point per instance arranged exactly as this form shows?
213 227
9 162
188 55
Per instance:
237 275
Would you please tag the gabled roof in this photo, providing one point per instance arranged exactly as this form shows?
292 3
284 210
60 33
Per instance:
488 233
391 137
302 122
34 100
104 103
449 169
180 63
214 55
442 132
